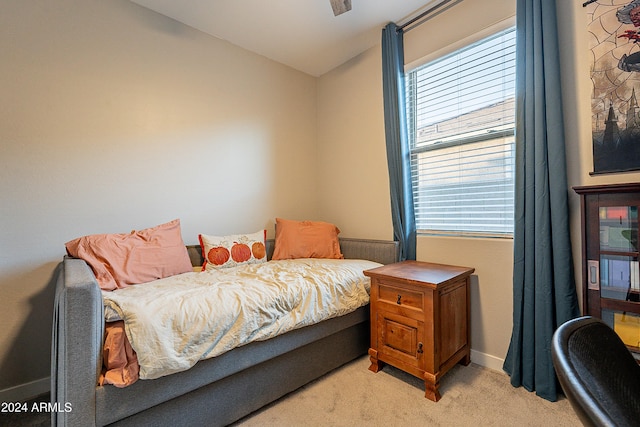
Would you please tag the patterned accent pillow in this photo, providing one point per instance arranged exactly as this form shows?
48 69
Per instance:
233 250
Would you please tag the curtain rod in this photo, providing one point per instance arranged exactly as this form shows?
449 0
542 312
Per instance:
424 15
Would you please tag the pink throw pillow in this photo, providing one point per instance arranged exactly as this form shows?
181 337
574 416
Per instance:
120 260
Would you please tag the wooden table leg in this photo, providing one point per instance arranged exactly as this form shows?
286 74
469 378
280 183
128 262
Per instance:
431 391
466 359
376 365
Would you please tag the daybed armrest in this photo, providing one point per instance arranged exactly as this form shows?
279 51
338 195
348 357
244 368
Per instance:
76 351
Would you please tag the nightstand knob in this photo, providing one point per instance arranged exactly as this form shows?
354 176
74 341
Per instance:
399 298
420 348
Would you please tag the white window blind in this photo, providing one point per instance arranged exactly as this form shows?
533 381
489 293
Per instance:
461 121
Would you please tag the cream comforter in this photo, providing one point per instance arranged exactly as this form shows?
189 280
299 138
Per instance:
174 322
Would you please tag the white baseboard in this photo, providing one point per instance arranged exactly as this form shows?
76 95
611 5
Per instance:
487 360
23 392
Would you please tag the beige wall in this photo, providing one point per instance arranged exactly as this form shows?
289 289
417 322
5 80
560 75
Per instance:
353 185
453 26
114 118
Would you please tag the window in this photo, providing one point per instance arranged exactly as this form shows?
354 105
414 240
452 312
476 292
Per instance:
461 121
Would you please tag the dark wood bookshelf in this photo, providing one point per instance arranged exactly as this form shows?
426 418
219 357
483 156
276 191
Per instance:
610 257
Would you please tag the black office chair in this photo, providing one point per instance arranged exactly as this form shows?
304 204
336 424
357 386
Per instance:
598 374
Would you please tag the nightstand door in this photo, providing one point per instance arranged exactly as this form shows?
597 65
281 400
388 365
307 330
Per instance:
402 339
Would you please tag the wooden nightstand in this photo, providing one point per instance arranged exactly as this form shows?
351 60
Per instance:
420 319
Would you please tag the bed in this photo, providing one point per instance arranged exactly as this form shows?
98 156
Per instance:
215 391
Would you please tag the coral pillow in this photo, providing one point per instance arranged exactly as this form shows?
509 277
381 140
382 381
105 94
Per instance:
233 250
306 239
120 260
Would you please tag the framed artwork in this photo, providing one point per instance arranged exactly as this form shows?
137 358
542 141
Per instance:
614 31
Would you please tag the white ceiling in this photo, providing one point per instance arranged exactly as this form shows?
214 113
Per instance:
303 34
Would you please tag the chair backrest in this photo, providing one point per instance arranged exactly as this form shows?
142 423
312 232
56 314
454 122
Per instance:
599 376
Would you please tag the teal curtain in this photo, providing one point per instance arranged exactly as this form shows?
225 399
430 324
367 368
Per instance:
544 294
402 214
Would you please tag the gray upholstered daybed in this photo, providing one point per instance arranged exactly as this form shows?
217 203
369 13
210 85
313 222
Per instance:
216 391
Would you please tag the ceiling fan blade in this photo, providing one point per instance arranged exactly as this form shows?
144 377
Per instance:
340 6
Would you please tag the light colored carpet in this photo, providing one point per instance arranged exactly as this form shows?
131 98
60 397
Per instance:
354 396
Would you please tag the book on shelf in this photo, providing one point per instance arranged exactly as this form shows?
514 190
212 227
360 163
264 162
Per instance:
627 326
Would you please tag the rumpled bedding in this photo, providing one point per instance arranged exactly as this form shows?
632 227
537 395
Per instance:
173 322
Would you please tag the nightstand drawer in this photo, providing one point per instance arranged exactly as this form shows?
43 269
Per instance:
400 297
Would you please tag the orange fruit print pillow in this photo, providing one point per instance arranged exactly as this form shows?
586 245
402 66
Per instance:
233 250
